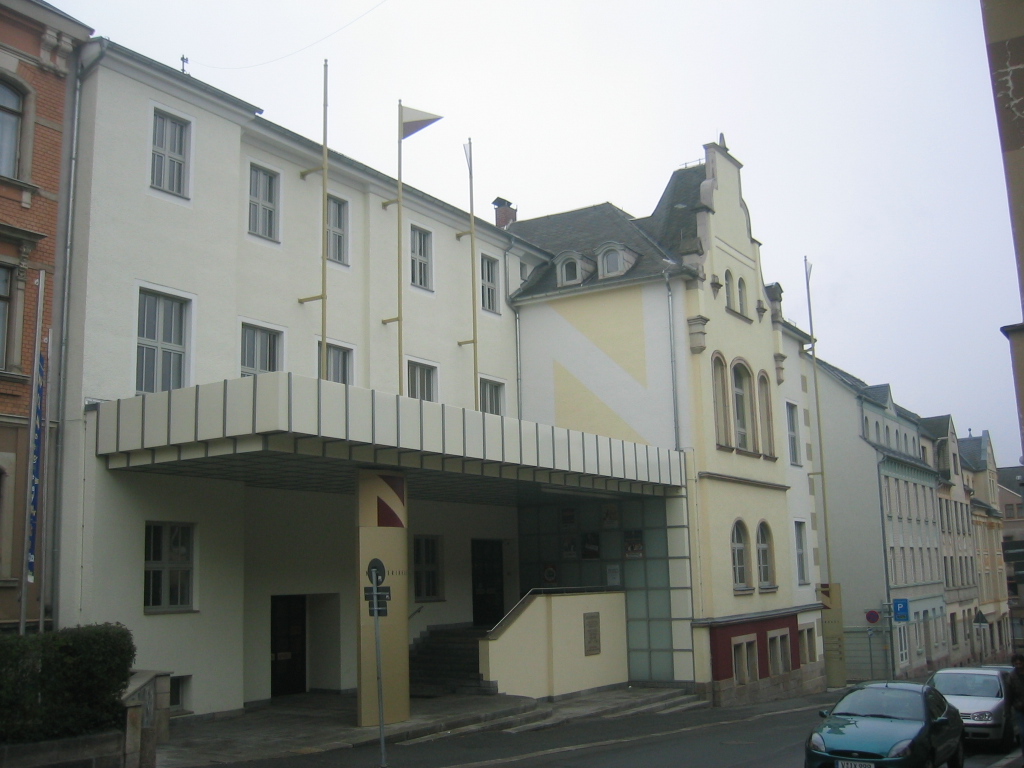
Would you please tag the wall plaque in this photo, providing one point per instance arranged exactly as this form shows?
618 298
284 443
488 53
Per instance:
591 633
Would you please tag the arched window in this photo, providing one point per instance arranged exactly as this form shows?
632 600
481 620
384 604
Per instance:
612 262
867 429
740 557
570 271
730 298
887 435
721 395
764 410
741 294
878 434
897 439
906 444
742 401
765 557
10 130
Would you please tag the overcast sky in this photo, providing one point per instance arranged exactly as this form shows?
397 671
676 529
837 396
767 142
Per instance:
866 129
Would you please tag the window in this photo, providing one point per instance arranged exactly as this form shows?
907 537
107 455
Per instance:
801 552
5 312
888 435
260 350
721 397
956 464
422 381
730 299
808 646
420 249
263 202
168 580
778 652
742 406
570 272
489 283
160 353
764 411
426 558
492 397
765 569
793 429
179 692
878 438
339 363
744 659
10 130
612 262
903 644
169 167
741 295
739 557
337 226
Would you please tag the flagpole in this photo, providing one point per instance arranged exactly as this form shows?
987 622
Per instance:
401 378
324 245
32 490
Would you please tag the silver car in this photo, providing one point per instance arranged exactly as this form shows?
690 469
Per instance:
980 693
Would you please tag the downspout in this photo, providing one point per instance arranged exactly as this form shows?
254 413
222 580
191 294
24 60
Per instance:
515 311
885 567
76 113
672 360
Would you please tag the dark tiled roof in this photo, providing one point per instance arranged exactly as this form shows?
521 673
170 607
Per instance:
974 450
851 381
674 221
936 426
1008 478
583 231
878 393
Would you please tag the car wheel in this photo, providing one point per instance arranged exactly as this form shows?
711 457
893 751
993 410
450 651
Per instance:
957 760
1009 738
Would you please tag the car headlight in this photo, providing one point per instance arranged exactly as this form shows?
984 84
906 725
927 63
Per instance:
902 749
816 743
983 717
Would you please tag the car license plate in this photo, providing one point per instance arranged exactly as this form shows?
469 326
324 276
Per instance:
852 764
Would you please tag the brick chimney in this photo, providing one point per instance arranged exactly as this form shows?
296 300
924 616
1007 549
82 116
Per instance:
504 213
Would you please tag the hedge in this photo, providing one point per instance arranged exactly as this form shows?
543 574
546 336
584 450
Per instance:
66 683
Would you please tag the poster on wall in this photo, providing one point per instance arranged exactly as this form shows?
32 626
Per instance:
592 546
610 515
613 575
570 548
568 518
634 544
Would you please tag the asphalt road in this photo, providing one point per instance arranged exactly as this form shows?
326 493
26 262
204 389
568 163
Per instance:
709 738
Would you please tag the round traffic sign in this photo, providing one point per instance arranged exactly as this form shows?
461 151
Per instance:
872 617
375 569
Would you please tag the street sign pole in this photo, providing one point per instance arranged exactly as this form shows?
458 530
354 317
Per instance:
380 679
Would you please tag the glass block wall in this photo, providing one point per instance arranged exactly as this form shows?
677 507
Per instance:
579 542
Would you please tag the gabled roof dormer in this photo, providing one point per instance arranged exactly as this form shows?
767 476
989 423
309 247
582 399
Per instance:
572 268
613 259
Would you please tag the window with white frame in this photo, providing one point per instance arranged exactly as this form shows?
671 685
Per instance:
339 363
903 644
764 412
263 202
428 579
261 350
730 291
168 576
11 113
741 296
422 381
801 552
489 283
421 255
569 272
492 397
169 166
744 659
337 228
743 408
779 660
6 276
740 557
793 432
765 557
160 351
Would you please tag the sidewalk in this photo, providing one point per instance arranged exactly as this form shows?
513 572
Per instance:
317 722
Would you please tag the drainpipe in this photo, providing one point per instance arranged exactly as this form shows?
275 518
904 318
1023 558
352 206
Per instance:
515 311
893 643
76 112
672 359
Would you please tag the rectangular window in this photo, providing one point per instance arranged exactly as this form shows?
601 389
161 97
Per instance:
778 652
904 651
744 660
169 168
421 257
260 350
160 351
263 202
337 226
168 579
952 630
808 646
489 283
339 363
422 381
5 312
492 397
801 552
793 429
426 556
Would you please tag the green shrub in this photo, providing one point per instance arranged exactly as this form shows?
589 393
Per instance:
65 683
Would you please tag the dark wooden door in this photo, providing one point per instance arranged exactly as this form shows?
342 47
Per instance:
488 583
287 644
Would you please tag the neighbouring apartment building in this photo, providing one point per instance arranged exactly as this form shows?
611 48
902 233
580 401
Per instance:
36 78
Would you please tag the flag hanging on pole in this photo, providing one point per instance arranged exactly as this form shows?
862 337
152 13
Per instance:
414 120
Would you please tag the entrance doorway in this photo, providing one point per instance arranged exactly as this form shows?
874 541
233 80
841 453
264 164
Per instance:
287 644
488 582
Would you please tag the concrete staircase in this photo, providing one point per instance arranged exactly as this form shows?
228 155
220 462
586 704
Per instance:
447 660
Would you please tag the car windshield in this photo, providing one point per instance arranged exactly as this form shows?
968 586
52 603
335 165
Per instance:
882 702
957 684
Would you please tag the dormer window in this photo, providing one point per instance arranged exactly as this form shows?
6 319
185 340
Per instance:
573 268
612 263
570 272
